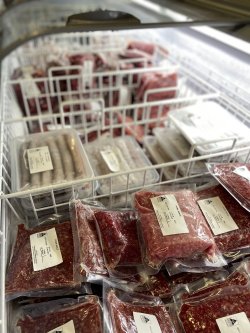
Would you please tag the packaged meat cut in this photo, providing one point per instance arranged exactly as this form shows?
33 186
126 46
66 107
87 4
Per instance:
201 125
228 220
172 226
115 155
119 239
65 315
217 313
44 259
44 159
235 177
83 224
135 313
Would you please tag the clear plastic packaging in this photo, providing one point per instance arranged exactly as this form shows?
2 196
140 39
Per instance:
202 122
45 159
235 177
127 312
223 310
177 147
118 235
86 236
172 227
65 315
228 219
113 155
44 260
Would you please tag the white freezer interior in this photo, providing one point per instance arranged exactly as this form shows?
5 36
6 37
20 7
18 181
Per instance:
216 70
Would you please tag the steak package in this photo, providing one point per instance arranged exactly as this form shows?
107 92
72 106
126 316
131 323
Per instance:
65 315
127 312
227 310
235 177
86 236
118 235
44 260
228 220
172 227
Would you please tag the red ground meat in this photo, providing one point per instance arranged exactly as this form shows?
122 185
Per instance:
200 317
159 248
21 278
118 233
238 186
86 316
122 314
235 239
91 256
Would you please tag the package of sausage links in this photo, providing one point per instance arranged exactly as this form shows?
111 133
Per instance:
228 310
172 227
235 177
64 315
44 260
126 312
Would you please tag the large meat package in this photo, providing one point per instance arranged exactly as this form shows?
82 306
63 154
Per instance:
201 124
115 155
172 226
67 315
235 177
119 239
135 313
228 220
44 259
226 311
84 227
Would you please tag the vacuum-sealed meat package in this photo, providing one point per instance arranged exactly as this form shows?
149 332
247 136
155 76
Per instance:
235 177
84 227
44 259
172 226
228 220
135 313
228 310
46 159
115 155
65 315
119 239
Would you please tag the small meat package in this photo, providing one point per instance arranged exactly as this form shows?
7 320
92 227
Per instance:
228 310
172 227
228 220
127 312
64 315
44 260
117 155
45 159
235 177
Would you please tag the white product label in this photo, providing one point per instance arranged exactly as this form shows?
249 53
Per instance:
69 327
87 73
30 88
45 250
169 215
111 159
146 323
124 96
217 216
39 159
243 172
237 323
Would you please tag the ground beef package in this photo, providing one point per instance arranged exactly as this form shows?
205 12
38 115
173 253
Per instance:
44 260
118 236
235 177
83 224
134 313
217 313
229 221
172 226
66 315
